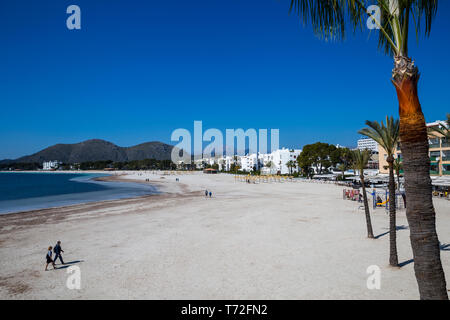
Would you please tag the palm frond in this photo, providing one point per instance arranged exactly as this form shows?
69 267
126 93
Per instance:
398 165
331 18
386 135
326 16
361 159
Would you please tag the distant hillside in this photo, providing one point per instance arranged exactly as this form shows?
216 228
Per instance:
96 150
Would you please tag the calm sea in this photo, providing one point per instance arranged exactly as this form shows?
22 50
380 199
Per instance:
21 191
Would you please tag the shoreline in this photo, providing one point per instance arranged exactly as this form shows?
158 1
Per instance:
14 220
106 178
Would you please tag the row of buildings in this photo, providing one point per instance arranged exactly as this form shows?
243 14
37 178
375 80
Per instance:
439 151
282 161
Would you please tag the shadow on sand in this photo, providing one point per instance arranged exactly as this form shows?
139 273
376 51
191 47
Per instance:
387 232
443 247
68 264
404 263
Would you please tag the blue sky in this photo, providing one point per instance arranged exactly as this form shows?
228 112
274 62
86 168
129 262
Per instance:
137 70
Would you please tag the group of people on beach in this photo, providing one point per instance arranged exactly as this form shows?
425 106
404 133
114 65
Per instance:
208 193
57 250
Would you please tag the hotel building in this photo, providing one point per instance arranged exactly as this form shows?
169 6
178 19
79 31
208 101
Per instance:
367 143
269 163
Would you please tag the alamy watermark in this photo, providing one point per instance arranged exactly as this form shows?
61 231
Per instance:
189 149
74 20
374 20
374 280
73 281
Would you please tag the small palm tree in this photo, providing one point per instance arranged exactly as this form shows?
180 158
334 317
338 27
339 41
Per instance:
387 137
343 167
397 168
290 164
360 161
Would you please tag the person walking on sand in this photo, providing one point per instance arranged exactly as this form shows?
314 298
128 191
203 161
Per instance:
210 194
57 250
49 259
206 193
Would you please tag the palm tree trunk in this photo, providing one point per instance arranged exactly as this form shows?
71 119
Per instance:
393 257
416 166
366 208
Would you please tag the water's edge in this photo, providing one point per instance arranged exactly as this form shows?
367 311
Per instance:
115 190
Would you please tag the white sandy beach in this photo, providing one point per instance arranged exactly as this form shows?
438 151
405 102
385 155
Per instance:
249 241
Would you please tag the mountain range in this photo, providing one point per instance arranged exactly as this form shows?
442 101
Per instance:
97 150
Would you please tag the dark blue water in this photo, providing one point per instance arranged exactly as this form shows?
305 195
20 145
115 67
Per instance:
29 191
30 185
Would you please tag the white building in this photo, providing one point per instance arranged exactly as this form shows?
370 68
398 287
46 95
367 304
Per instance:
225 163
249 162
51 165
281 157
367 143
268 163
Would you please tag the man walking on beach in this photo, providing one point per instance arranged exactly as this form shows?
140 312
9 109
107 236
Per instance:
57 250
206 193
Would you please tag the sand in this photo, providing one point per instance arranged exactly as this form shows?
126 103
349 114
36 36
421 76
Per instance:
291 240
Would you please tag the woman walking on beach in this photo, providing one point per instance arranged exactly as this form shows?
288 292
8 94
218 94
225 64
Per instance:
49 259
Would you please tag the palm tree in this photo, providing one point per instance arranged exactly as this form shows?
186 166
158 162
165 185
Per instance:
360 160
329 19
342 167
398 166
387 137
290 164
343 158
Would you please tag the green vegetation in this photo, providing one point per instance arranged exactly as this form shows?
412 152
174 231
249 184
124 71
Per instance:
398 167
322 156
291 165
147 164
21 166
